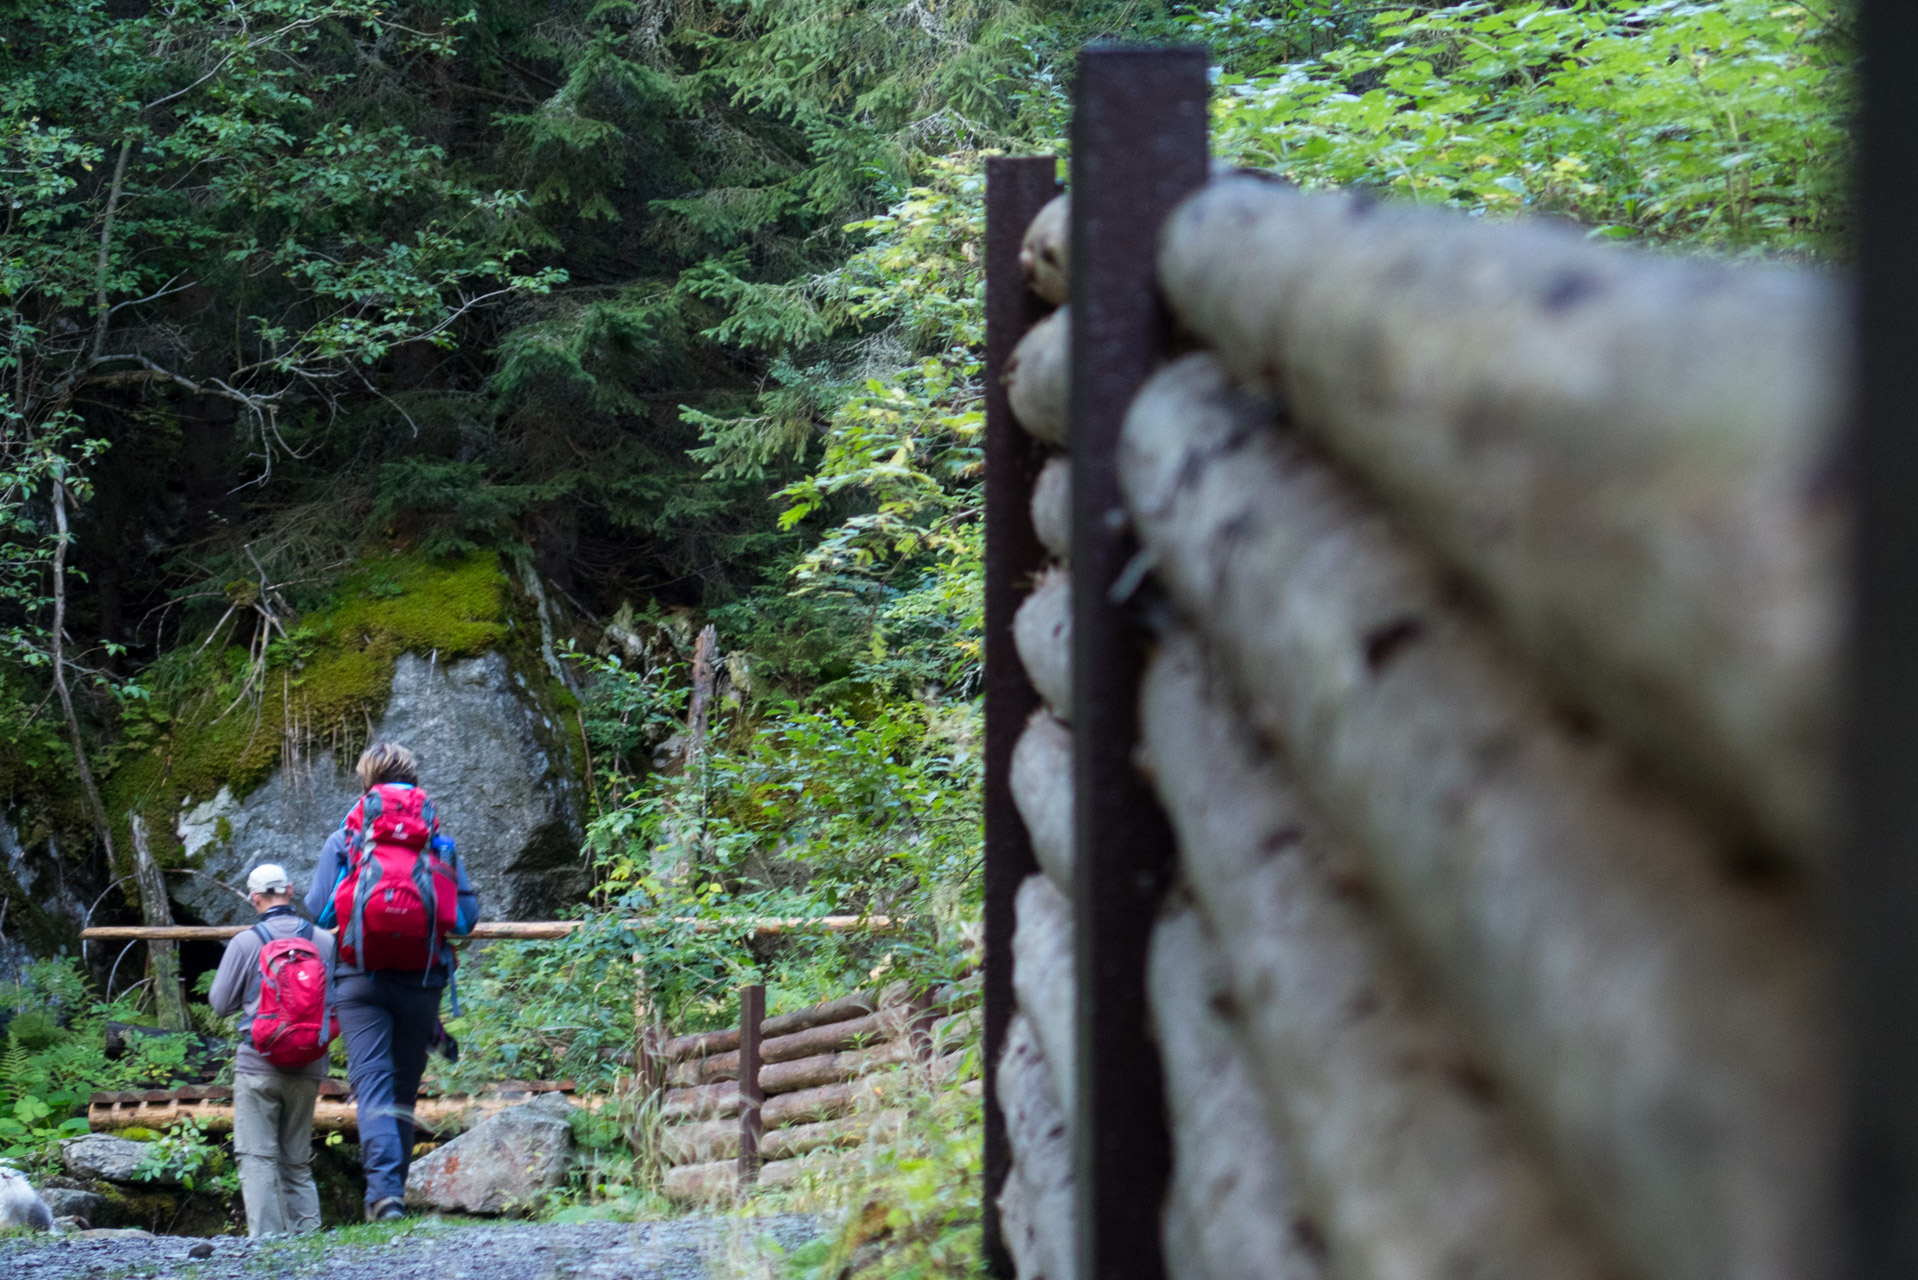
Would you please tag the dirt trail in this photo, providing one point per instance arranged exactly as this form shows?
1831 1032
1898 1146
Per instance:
677 1249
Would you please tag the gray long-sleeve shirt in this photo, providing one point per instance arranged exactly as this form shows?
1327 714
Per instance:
237 986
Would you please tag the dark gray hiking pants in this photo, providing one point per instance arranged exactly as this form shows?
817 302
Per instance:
386 1019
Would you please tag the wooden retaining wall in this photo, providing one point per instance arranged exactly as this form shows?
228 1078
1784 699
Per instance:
824 1077
1488 591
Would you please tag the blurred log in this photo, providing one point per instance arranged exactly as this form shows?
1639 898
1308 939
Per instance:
1405 1153
1042 633
831 1068
718 1180
1233 1210
832 1036
719 1139
718 1101
1052 506
1036 379
1631 454
1043 977
704 1043
1042 791
1045 254
1037 1200
1661 1015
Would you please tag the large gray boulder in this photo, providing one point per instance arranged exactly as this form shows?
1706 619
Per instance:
507 1163
70 1202
103 1156
496 764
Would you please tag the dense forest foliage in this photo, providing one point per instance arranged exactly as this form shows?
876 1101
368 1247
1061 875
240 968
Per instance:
325 319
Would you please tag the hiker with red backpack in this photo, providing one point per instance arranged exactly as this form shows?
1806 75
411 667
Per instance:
390 884
276 973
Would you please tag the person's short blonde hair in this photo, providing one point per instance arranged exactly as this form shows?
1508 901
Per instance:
386 762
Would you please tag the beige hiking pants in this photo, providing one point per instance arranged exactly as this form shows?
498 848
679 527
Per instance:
273 1138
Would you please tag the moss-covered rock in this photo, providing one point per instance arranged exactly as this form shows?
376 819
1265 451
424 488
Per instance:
442 655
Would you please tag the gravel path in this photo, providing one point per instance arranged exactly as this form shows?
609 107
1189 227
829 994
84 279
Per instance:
677 1249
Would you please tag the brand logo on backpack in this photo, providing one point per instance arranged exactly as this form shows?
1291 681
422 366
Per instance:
294 1023
399 900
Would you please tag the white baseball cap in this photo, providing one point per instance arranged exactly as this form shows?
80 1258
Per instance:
268 877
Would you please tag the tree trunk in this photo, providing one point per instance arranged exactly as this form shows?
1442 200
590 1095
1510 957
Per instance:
163 958
95 809
705 667
1042 633
1631 455
1042 791
1634 993
1405 1154
1231 1172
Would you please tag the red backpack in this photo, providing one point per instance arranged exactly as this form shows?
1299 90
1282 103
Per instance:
398 900
294 1023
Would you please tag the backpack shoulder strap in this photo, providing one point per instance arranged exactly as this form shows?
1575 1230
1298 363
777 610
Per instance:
265 934
305 931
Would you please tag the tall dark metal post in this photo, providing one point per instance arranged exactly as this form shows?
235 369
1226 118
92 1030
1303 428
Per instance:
1016 189
1876 914
752 1013
1138 146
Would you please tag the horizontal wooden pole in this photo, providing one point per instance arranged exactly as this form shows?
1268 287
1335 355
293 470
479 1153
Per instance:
525 930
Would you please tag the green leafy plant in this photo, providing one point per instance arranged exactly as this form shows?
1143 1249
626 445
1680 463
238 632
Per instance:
183 1155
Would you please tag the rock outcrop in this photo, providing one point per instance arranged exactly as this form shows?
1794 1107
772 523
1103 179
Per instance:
103 1156
507 1163
487 753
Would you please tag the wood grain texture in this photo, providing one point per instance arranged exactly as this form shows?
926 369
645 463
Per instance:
1631 455
1662 1019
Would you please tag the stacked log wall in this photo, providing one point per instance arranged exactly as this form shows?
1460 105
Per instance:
1497 577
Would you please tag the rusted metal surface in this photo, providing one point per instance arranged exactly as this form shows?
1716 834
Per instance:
1138 146
752 1014
1877 899
1016 189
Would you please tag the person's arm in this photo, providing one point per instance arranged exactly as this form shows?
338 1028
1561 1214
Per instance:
469 912
326 875
229 984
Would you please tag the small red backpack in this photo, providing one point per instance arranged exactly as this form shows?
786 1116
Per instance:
399 900
294 1023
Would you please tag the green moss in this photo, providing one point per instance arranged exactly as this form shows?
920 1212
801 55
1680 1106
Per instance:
323 689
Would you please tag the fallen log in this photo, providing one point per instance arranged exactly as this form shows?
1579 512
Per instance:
1051 506
1042 976
1630 454
526 930
1045 255
440 1116
1405 1155
1036 379
852 1033
1038 1195
1042 792
1663 1018
1233 1208
1042 633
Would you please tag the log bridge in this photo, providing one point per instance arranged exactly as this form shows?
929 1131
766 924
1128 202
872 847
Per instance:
1414 733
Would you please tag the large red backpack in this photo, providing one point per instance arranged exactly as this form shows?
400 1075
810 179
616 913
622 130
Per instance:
398 900
295 1021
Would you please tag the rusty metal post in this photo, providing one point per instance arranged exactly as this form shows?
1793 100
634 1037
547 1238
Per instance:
1138 146
752 1013
1016 189
1875 914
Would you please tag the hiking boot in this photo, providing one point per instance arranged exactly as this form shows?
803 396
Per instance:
391 1209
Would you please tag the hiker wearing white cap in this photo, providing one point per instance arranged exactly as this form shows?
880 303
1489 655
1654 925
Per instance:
276 974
